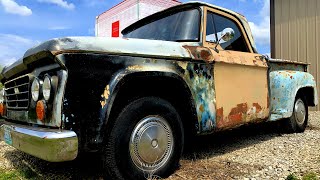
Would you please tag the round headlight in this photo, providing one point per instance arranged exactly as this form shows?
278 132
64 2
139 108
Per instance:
35 89
46 88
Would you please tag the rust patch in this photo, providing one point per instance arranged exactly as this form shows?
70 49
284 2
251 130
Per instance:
206 55
233 57
235 116
201 108
254 61
236 112
258 107
220 113
200 53
220 117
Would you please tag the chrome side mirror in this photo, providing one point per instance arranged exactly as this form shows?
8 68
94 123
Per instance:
226 35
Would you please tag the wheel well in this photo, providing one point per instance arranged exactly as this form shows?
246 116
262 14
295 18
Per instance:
308 93
169 88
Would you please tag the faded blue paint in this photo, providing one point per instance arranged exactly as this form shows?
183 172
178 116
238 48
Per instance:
284 86
201 81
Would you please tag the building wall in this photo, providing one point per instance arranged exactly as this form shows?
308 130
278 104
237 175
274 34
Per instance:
295 33
128 12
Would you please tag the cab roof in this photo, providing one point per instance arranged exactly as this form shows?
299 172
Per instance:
191 4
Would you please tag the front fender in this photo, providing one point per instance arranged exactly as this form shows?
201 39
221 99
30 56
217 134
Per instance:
120 77
284 86
196 77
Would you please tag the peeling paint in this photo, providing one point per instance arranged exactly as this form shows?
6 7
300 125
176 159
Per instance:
284 87
105 96
241 94
199 52
200 79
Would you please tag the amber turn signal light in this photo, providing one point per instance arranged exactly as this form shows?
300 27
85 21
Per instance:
2 109
41 110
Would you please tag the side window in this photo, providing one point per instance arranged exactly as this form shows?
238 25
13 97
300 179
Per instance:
211 35
220 23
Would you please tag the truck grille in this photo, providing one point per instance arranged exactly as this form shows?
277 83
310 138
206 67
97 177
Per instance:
17 92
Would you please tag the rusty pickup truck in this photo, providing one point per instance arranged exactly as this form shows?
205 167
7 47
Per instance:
192 69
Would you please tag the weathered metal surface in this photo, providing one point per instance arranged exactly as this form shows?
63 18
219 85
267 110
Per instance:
53 117
287 61
244 72
200 53
276 65
200 79
48 144
120 46
241 58
231 57
241 94
284 85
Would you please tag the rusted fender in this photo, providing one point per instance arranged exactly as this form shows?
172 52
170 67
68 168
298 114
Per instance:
197 78
284 86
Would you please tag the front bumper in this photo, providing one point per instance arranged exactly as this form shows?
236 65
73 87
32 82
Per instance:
48 144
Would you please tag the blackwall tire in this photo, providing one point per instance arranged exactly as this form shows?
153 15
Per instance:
146 141
297 123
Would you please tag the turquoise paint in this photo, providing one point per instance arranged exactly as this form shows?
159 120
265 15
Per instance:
284 86
201 82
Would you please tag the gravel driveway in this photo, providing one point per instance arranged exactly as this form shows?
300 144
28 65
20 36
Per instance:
250 152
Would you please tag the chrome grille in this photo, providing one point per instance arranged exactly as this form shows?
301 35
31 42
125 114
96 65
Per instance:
17 92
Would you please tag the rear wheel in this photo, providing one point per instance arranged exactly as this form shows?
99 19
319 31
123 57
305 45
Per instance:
146 140
298 121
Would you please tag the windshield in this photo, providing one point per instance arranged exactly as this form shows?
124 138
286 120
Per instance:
181 26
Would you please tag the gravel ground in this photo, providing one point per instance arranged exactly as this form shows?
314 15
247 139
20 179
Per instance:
250 152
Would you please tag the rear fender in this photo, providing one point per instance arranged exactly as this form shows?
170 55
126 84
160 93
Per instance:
284 86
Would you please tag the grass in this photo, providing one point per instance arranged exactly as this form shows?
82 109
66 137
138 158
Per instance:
25 173
308 176
291 177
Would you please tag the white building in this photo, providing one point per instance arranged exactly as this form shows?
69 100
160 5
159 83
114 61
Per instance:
114 20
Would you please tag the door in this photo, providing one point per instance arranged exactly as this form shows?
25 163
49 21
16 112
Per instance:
240 76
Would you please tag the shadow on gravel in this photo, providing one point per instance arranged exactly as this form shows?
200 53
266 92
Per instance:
89 166
227 141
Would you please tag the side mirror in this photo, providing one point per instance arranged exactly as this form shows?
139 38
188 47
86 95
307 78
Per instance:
226 35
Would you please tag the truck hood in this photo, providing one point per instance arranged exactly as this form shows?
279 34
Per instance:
112 45
119 46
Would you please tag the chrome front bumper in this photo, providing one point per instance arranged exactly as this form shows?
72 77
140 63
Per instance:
48 144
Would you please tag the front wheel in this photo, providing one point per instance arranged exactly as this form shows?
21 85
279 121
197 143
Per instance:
146 140
297 123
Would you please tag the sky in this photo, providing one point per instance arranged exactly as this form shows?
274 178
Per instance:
26 23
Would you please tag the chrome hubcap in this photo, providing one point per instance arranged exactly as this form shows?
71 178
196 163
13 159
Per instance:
151 143
300 112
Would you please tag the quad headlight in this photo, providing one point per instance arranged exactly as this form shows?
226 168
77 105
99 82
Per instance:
35 89
46 88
